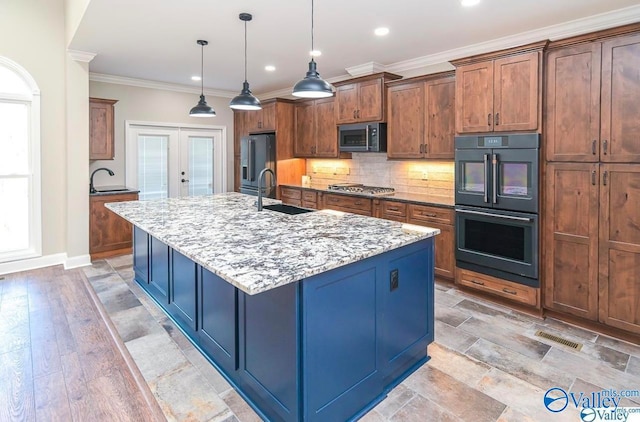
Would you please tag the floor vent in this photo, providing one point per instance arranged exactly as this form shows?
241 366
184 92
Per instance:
563 341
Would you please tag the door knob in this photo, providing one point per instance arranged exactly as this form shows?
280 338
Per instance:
185 180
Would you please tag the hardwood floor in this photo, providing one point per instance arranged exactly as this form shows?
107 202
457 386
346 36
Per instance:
58 360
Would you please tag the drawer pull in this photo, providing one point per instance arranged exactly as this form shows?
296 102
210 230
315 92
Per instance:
427 214
511 292
393 209
479 283
358 203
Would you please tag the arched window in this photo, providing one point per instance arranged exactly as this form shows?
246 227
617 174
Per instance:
20 215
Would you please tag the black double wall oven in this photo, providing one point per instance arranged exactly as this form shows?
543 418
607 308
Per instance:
496 196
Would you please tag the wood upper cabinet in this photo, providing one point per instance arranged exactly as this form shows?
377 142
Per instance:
316 132
620 119
619 259
261 120
572 103
362 99
101 134
109 234
570 228
421 117
501 93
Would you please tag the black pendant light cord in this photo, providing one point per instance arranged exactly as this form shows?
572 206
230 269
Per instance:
201 69
245 51
312 50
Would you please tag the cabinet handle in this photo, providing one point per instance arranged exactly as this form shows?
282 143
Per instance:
479 283
593 177
511 292
354 114
421 148
489 119
358 113
594 145
497 119
426 214
605 177
358 203
605 143
393 208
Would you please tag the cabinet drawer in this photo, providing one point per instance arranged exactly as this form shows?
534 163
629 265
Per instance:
507 289
348 204
290 193
309 196
425 213
392 210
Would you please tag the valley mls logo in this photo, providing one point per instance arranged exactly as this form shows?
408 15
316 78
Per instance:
556 400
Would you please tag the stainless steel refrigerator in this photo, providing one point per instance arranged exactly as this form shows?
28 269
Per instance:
257 152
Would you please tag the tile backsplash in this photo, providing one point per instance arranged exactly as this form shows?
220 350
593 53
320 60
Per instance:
418 177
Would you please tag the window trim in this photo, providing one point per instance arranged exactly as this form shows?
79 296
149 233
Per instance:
35 183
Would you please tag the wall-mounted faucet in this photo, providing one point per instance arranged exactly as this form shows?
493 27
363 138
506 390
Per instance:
91 188
260 179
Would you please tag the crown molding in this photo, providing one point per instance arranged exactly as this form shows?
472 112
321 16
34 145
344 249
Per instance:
144 83
366 69
81 56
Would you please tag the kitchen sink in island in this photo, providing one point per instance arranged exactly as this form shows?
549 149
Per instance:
311 317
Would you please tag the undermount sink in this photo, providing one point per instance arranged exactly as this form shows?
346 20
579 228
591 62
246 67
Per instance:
287 209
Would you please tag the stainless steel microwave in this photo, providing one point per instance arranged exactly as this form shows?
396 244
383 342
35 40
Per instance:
363 137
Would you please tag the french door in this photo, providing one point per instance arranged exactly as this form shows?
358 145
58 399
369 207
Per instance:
170 162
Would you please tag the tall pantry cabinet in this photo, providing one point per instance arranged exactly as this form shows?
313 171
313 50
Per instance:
592 188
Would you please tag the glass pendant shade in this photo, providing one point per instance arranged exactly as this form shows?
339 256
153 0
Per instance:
202 109
312 86
245 100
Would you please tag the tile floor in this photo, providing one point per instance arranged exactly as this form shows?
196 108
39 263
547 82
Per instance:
486 363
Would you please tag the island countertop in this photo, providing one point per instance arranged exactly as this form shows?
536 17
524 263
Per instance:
257 251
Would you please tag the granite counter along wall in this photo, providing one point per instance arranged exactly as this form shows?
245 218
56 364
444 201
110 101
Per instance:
418 177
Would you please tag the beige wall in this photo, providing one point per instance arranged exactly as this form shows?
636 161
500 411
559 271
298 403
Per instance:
74 11
32 34
159 106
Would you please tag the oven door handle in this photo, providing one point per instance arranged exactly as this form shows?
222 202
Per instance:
494 167
488 214
486 177
366 137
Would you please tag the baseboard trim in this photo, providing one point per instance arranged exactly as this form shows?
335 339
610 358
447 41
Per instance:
77 261
33 263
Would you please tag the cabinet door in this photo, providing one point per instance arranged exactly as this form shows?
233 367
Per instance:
405 126
305 130
347 100
268 118
620 246
516 85
572 107
370 101
326 128
445 261
474 98
620 138
101 129
109 232
253 121
183 289
159 270
439 115
570 239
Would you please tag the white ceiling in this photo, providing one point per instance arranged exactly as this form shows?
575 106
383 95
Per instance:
156 39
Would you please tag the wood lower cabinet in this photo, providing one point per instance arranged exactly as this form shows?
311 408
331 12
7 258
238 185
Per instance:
496 286
291 196
109 234
316 132
442 219
499 91
362 99
101 135
421 117
352 204
310 199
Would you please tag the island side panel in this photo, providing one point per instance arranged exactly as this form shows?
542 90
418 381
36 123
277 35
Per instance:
141 255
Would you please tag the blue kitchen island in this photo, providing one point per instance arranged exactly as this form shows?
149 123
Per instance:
311 317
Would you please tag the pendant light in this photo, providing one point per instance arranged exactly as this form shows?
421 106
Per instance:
312 86
202 109
245 100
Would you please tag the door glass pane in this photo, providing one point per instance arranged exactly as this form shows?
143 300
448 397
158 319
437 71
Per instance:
200 166
153 166
14 214
501 240
14 138
515 180
472 177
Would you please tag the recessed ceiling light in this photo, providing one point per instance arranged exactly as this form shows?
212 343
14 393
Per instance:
469 3
381 32
270 68
196 78
315 53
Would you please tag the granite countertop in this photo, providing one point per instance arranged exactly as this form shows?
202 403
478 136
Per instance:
113 190
259 251
438 201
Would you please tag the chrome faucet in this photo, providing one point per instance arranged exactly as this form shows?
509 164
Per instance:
260 178
91 188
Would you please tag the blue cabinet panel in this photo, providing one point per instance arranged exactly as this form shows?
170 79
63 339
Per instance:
269 363
183 289
159 270
340 342
218 320
141 255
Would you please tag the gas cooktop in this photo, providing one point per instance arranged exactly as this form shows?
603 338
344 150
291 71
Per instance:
360 188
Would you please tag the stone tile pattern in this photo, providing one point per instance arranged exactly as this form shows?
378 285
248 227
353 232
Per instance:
473 375
258 251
